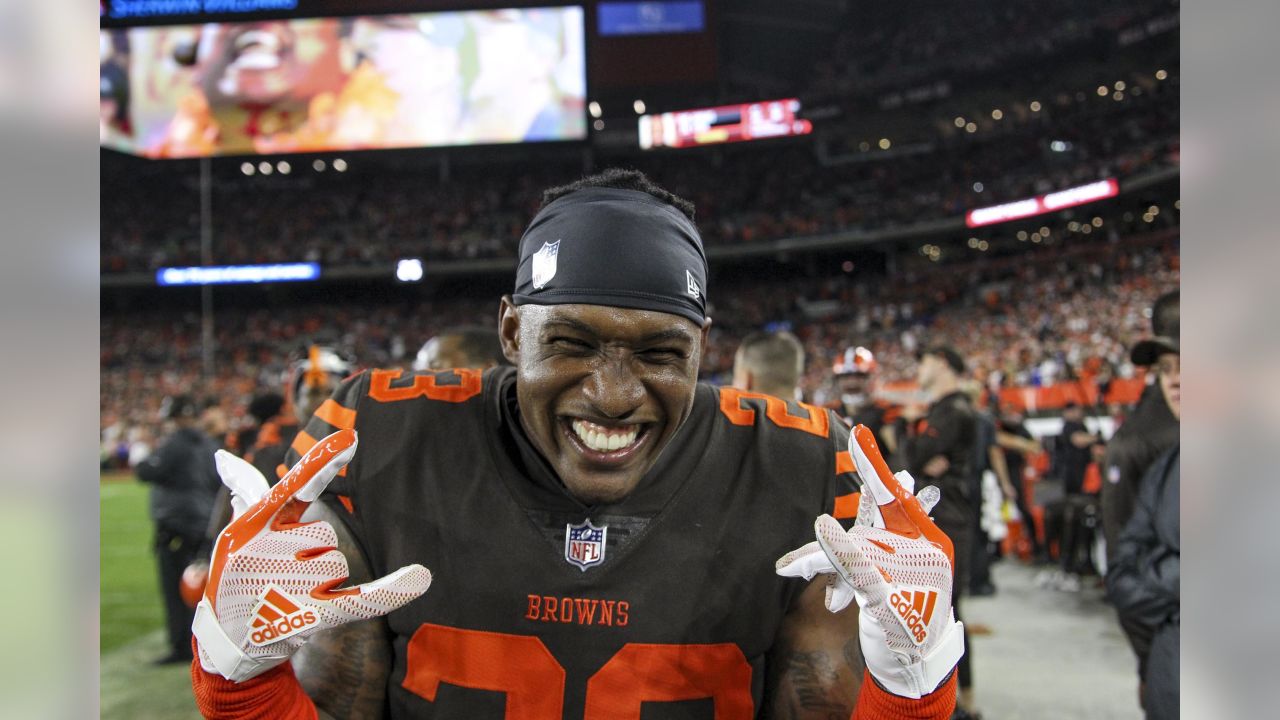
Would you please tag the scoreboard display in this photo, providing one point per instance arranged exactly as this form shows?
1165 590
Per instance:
724 124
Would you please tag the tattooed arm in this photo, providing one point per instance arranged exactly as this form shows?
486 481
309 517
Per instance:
345 670
815 668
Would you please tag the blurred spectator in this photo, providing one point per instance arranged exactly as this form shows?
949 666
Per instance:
1070 519
1017 444
854 376
1146 434
988 467
937 449
183 483
769 363
1144 581
461 347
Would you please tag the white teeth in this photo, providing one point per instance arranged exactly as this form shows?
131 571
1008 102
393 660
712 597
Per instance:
603 439
267 40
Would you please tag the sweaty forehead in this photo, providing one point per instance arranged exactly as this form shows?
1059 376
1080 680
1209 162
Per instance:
609 323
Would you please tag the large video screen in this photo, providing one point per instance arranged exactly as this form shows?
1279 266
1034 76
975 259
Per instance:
321 84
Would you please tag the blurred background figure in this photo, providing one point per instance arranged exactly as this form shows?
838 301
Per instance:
1071 519
990 486
1018 445
1149 432
854 371
184 483
310 382
469 346
769 363
1144 579
938 449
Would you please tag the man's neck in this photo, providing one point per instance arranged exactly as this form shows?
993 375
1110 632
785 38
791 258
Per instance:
942 387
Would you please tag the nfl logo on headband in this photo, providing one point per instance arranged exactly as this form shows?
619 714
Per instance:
544 264
584 544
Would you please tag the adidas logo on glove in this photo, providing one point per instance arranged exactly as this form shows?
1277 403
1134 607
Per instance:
914 608
276 617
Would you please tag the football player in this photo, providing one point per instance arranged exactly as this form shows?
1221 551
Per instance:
601 529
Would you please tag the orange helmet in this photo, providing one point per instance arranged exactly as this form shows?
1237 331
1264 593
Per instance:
855 361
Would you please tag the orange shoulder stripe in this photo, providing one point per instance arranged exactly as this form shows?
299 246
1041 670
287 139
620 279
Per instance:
846 506
844 462
336 415
302 442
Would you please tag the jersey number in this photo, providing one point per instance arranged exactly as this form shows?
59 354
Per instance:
774 408
424 385
534 682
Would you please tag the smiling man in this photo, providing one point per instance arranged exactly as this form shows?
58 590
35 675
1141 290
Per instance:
601 529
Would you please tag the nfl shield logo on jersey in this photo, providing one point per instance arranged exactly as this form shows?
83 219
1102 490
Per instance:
544 264
584 544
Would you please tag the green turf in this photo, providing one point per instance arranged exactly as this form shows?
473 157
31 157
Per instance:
130 602
132 617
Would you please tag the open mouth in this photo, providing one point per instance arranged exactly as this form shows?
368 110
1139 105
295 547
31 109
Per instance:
257 50
605 444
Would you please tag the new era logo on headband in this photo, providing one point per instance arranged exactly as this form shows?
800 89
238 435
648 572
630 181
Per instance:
692 284
544 264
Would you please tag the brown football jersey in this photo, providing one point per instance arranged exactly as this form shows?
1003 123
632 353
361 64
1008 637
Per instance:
662 605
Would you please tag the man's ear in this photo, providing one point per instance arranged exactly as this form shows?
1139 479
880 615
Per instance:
706 328
509 329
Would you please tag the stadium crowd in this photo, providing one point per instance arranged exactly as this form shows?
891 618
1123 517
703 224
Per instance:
1050 313
744 194
883 48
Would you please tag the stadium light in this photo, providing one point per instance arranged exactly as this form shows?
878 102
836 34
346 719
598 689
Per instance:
265 168
959 122
1054 201
997 114
885 144
598 125
339 164
1161 74
638 106
409 270
283 167
1103 91
237 274
1035 106
318 165
246 168
594 109
971 128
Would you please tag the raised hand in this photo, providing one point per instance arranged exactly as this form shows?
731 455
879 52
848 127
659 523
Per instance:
275 581
898 566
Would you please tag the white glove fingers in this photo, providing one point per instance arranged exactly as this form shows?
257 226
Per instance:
336 451
928 497
389 592
847 557
907 482
246 484
804 562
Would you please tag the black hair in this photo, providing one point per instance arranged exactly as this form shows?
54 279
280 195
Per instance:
481 345
265 406
1164 315
622 180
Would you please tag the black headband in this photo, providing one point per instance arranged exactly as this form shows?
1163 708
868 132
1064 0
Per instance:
607 246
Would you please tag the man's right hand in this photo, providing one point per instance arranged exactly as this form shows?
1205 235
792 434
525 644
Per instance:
274 581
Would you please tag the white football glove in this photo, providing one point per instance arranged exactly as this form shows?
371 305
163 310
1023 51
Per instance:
898 566
273 581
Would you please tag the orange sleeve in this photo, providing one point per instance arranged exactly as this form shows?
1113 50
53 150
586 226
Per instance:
273 695
876 703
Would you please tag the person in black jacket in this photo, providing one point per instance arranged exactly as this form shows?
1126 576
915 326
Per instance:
938 449
1148 433
184 483
1143 581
